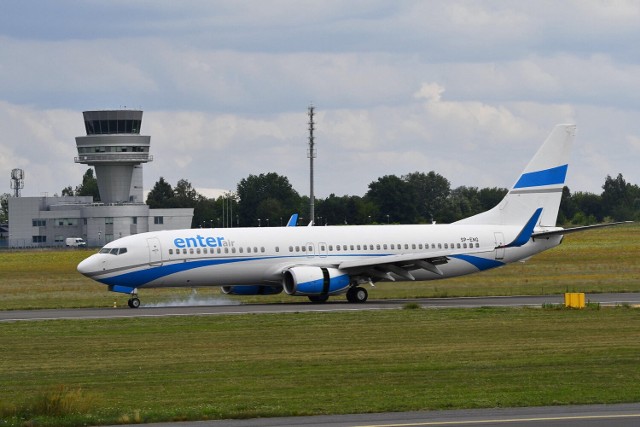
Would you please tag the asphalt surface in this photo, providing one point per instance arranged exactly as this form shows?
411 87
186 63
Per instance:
622 415
234 308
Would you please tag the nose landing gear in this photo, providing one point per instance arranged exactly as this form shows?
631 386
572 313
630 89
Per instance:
134 302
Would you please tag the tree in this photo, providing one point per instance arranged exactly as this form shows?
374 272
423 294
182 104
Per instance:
429 192
254 193
619 198
461 203
89 186
490 197
161 195
4 208
68 191
185 196
568 207
588 208
392 196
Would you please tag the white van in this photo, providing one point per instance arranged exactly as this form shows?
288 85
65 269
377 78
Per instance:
76 242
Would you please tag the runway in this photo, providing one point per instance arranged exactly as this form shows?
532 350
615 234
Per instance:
620 415
233 308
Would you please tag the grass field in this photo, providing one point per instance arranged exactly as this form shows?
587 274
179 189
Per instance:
147 370
89 372
604 260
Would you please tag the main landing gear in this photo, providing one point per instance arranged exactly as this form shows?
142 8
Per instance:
357 294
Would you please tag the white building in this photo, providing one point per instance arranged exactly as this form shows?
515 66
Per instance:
114 147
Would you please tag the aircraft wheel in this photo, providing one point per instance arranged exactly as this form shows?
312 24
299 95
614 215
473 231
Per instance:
357 295
318 298
134 303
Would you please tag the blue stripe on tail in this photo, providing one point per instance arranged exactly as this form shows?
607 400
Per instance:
551 176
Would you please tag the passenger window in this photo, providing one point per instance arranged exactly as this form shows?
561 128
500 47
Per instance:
290 248
277 248
439 245
384 246
371 247
261 249
226 250
184 251
420 246
413 246
359 247
191 251
170 251
218 250
378 246
446 246
241 250
198 250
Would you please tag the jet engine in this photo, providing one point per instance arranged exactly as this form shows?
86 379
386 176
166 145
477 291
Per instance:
311 281
251 290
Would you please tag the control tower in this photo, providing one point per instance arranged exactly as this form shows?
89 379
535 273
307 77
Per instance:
115 148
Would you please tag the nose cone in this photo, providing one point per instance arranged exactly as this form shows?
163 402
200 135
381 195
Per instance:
87 266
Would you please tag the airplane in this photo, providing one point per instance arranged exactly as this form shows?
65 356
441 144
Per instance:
320 262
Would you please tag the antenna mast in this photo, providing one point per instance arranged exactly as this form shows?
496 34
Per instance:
311 154
17 181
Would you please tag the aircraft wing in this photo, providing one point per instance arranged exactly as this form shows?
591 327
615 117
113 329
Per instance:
401 265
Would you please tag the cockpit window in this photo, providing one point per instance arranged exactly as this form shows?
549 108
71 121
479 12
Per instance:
113 251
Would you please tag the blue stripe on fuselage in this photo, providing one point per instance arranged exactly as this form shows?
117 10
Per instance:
142 277
480 263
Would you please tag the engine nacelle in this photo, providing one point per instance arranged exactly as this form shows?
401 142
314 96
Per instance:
311 281
251 290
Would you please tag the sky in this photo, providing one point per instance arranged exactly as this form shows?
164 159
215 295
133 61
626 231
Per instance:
468 89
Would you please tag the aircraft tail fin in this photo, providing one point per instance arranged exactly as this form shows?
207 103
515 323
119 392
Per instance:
539 186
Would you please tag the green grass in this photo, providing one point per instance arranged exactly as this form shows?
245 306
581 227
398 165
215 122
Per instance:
596 261
315 363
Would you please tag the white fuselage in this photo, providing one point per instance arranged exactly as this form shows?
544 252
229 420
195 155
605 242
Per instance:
258 256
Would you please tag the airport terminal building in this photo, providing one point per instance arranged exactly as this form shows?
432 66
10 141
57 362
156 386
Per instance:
114 147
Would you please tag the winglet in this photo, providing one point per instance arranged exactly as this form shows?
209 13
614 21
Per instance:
293 221
527 230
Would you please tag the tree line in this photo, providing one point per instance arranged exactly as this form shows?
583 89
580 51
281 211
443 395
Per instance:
269 199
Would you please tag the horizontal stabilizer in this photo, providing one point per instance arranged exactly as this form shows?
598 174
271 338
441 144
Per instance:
563 231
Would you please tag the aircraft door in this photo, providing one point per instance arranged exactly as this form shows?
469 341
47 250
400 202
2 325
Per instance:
310 250
322 249
155 253
499 245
